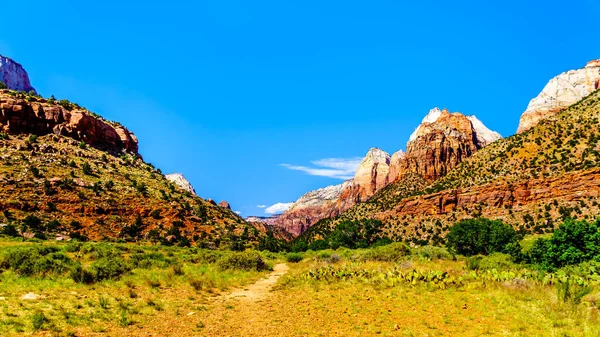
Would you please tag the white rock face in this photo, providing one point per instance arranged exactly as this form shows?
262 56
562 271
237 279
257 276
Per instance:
561 92
431 117
321 196
372 173
395 163
179 180
13 75
483 133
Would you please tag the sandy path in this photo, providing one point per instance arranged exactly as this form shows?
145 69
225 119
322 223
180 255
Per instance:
260 289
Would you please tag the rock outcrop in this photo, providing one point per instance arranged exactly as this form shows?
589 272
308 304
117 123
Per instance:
312 207
395 163
371 176
267 224
269 220
28 114
441 142
14 76
179 180
561 92
224 204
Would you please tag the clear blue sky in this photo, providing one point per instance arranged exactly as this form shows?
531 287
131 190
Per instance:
227 91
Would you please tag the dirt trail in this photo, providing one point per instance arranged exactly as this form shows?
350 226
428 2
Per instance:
260 289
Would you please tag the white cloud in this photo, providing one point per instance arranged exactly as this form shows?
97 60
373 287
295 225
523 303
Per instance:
279 207
238 212
338 168
261 206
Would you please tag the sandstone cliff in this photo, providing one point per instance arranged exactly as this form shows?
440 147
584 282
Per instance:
532 180
436 147
560 92
14 76
371 176
21 113
440 143
179 180
312 207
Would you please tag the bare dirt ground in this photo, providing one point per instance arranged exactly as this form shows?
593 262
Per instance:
258 290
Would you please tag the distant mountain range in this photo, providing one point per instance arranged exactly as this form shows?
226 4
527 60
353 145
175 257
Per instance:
434 153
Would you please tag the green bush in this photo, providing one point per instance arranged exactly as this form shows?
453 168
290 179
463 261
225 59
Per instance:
294 257
36 261
355 234
433 253
472 263
481 236
9 230
2 85
106 268
572 243
390 253
109 268
248 260
149 260
498 261
206 256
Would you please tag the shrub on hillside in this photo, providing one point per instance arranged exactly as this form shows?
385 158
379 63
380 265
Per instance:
248 260
481 236
2 85
150 260
572 243
390 253
106 268
9 230
433 253
355 234
498 261
36 261
294 257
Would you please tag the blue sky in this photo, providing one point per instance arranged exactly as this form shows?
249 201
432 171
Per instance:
251 100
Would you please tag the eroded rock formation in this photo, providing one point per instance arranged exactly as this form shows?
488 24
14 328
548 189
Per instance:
14 76
179 180
312 207
440 143
436 147
28 114
561 92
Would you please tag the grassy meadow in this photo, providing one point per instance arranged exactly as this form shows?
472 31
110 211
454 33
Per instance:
99 289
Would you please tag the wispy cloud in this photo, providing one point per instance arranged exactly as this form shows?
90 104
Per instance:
279 207
261 206
338 168
238 212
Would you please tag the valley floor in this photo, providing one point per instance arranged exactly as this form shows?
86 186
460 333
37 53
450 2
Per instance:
330 293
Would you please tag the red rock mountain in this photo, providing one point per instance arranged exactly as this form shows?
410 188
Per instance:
21 113
439 146
440 143
561 92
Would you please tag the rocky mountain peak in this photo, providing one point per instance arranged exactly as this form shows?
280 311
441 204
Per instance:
441 142
375 156
484 135
179 180
312 207
431 117
225 204
13 75
395 163
448 122
561 92
593 64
